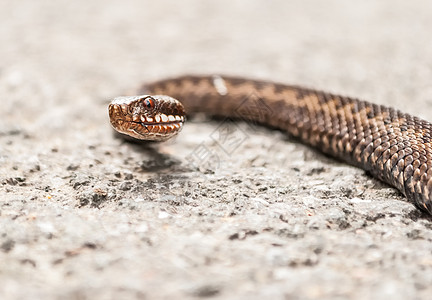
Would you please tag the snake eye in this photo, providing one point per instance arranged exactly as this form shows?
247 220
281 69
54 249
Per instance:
149 102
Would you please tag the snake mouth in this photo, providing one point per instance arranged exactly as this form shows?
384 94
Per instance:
160 119
160 123
167 122
160 127
166 125
148 130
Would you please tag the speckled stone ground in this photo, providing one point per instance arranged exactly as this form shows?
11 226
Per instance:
86 216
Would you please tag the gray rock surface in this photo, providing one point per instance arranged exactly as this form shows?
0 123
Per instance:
86 216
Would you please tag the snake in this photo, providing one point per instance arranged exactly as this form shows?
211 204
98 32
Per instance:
392 146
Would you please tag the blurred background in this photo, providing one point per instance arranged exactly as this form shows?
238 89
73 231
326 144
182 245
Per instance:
82 52
85 50
62 61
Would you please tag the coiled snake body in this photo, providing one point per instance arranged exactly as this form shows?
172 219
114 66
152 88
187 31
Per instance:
394 147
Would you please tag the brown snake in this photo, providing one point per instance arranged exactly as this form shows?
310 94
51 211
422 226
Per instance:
394 147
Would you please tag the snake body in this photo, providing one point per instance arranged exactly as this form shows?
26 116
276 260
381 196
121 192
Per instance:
393 146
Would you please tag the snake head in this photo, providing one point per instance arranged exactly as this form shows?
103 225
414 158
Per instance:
151 118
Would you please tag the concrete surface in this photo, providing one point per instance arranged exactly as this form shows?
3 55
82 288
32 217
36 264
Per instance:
86 216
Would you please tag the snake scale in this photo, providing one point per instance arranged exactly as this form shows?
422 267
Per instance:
393 146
